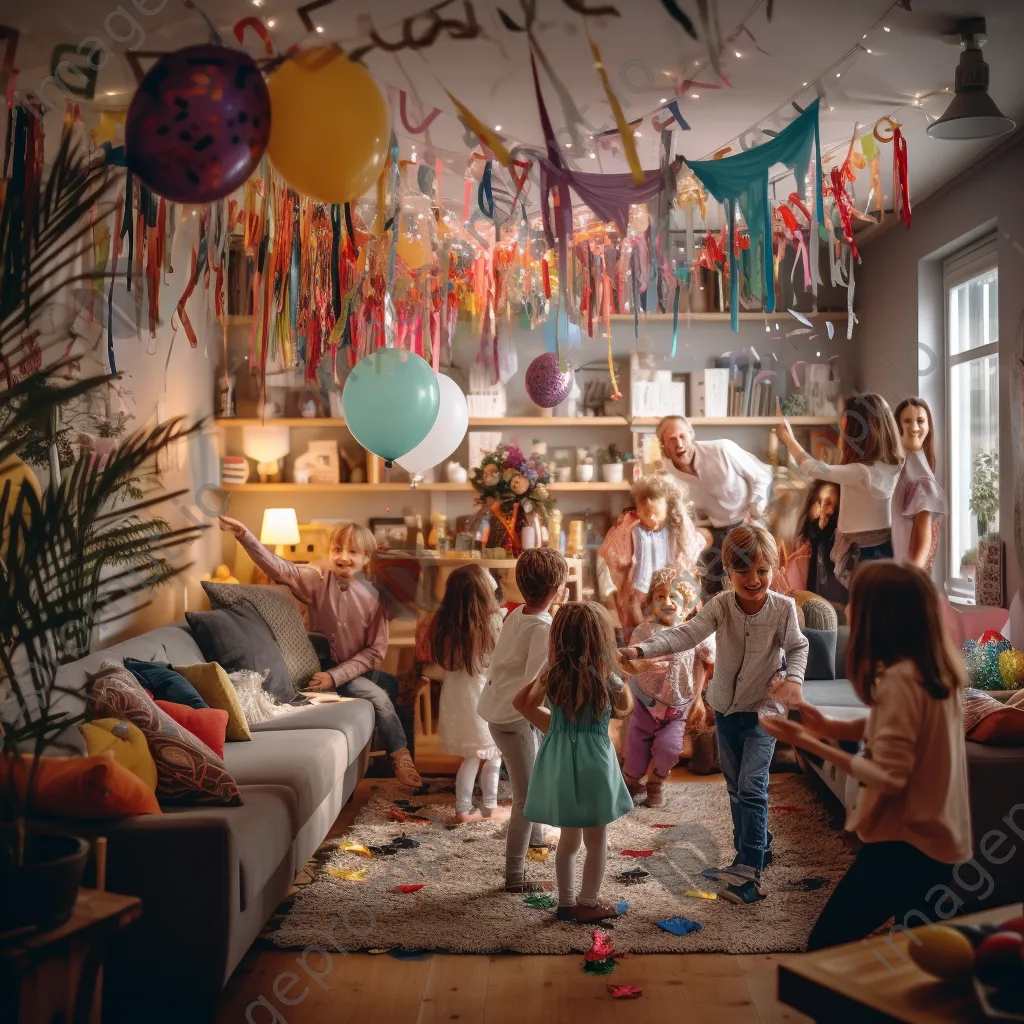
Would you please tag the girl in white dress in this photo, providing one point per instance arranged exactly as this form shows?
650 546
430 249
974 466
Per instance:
462 636
918 502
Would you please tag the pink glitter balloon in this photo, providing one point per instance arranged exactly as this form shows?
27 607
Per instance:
545 384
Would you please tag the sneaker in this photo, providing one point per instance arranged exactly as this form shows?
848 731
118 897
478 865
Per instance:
745 893
731 871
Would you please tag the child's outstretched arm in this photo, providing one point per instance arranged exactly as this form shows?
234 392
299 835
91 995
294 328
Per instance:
679 638
529 702
301 580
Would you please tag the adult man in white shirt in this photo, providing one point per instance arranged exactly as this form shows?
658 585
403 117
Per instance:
724 481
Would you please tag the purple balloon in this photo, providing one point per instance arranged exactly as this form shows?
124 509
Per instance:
198 124
546 385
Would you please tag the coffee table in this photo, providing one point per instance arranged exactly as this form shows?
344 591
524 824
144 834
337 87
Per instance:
875 981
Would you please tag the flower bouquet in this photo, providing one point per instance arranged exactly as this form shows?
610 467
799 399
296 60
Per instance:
513 489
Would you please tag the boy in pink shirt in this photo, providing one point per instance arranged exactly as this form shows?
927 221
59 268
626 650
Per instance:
345 608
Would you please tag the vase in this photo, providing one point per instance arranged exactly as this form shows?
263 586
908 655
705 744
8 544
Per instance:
42 893
585 473
611 472
988 579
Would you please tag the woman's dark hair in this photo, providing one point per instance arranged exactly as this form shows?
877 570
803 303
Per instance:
813 494
929 441
894 616
462 631
869 432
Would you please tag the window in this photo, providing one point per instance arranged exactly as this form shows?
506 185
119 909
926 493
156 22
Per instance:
971 282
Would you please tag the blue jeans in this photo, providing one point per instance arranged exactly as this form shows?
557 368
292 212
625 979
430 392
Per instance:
745 751
381 690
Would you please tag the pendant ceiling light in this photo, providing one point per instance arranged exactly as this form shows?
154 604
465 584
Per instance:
972 114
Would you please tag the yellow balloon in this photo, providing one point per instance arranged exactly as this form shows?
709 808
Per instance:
414 251
329 127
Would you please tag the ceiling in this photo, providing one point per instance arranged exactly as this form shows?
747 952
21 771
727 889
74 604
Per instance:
807 41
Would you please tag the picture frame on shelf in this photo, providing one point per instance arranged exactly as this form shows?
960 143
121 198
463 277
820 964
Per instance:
390 534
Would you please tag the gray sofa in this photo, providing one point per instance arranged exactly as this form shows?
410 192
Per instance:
996 781
210 877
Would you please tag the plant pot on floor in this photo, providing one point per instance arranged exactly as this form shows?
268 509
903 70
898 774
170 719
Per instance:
42 893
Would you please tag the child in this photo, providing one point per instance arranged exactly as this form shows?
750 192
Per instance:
871 457
517 659
918 503
759 648
661 534
576 782
345 608
912 810
665 689
462 635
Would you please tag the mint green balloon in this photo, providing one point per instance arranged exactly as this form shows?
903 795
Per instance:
390 402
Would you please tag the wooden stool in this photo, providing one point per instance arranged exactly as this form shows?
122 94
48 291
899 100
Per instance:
423 710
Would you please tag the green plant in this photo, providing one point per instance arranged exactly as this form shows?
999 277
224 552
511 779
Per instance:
984 500
612 454
970 557
794 405
69 555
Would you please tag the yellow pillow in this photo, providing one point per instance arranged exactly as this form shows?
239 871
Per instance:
219 692
125 742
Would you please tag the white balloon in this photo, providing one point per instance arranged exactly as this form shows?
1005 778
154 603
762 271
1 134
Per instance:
447 432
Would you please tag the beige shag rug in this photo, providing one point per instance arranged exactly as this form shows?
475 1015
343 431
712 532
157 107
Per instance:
461 907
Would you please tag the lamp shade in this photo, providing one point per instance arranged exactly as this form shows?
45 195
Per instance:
280 526
972 114
266 444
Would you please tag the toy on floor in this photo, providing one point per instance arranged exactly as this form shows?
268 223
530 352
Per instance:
993 663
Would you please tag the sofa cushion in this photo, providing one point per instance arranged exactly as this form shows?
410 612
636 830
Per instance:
987 720
821 653
206 724
187 770
824 693
308 762
281 617
351 716
218 691
164 683
124 742
238 638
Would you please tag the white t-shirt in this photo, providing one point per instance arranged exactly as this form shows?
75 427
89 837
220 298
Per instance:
865 492
517 659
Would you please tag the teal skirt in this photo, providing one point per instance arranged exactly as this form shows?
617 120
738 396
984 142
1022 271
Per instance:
576 781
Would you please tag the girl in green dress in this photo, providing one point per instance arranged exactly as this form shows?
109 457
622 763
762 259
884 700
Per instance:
576 783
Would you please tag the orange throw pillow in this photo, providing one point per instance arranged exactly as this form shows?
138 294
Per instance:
207 724
82 787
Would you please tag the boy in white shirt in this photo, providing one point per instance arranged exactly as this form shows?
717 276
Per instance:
517 659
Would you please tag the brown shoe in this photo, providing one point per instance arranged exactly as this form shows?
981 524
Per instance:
655 796
634 785
588 915
405 770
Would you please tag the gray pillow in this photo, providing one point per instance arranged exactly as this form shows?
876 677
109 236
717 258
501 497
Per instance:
238 638
821 653
283 618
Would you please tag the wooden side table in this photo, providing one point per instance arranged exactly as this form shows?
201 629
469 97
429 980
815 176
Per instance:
55 975
872 981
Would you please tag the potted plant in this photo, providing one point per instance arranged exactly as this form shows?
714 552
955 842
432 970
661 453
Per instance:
984 499
611 465
66 553
968 563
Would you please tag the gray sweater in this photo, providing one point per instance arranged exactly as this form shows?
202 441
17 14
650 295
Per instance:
752 649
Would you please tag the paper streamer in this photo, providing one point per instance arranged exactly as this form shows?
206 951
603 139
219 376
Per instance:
482 132
625 131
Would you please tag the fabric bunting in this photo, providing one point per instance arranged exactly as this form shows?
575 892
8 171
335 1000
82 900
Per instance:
740 182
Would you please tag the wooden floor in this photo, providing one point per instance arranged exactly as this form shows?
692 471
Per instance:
288 987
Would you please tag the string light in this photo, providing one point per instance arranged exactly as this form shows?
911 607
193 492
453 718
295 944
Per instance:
593 156
271 23
885 28
663 100
738 54
868 49
694 95
320 29
497 127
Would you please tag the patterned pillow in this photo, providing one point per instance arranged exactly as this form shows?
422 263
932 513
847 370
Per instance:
283 618
188 772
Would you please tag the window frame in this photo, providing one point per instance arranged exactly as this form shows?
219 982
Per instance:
969 263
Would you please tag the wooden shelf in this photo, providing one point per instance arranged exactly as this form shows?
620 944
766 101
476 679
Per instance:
719 318
551 421
285 488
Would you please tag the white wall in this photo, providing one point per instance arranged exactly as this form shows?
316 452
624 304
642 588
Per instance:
901 307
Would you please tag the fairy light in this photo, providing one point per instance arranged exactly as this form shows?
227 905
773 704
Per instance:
193 213
738 54
804 86
694 95
663 100
593 156
839 74
320 29
256 3
568 145
271 23
636 135
868 49
110 92
885 28
817 355
497 127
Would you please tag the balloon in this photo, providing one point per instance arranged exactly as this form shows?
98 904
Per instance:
390 401
415 230
198 124
447 432
331 126
545 384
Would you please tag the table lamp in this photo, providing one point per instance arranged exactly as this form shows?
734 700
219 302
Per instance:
267 445
280 529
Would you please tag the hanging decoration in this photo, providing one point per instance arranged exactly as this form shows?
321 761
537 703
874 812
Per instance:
740 182
198 124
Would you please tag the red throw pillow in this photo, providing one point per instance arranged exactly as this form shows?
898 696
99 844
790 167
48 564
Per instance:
81 787
208 724
1001 728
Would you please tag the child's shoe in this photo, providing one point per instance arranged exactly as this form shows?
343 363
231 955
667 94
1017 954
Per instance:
655 794
587 915
405 770
729 872
744 893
